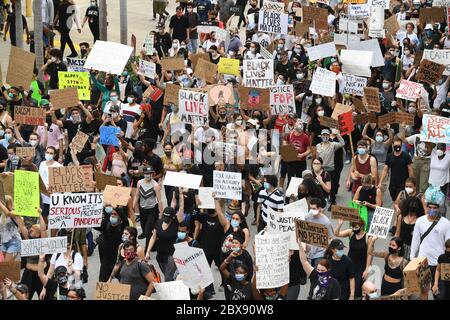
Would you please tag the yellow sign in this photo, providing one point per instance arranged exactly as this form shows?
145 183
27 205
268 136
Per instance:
229 66
26 193
355 1
80 80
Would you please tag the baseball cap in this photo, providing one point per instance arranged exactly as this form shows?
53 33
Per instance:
325 131
428 26
169 212
337 244
306 172
148 170
60 269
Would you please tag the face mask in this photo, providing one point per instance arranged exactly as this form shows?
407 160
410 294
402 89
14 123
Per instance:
300 76
48 157
114 99
130 100
325 139
76 119
409 190
440 153
53 59
181 235
166 220
361 151
386 85
234 224
280 82
280 46
8 136
108 210
92 4
33 143
124 238
433 213
270 297
83 52
266 185
321 113
397 148
317 167
373 295
298 128
114 220
168 154
356 231
239 277
62 280
318 100
379 139
411 110
252 50
340 253
189 10
147 176
130 255
174 46
11 95
314 212
297 50
392 250
236 249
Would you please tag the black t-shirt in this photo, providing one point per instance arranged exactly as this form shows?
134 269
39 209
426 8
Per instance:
316 292
52 70
297 274
11 19
155 162
446 282
51 288
92 13
165 239
238 291
64 15
133 164
243 258
211 234
179 26
399 166
342 271
3 155
72 128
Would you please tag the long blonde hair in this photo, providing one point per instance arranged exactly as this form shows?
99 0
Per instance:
8 205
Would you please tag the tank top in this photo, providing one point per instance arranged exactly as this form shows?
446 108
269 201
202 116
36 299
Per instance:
147 195
358 251
362 168
406 232
379 151
369 195
395 273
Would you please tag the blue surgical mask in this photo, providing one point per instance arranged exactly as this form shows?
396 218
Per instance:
130 100
234 223
114 99
124 238
340 253
8 137
11 95
108 210
266 185
239 277
181 235
433 213
48 157
373 295
379 138
114 220
236 249
362 151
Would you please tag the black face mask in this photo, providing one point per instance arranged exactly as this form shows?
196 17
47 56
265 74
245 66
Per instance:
397 148
83 51
392 250
62 280
301 195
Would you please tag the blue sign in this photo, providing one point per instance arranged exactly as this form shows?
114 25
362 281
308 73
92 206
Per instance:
108 135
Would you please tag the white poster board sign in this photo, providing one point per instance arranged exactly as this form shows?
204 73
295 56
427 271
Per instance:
356 62
273 22
381 222
359 10
376 22
323 82
409 90
181 179
322 51
147 69
206 198
258 73
228 185
282 99
293 186
193 107
372 46
172 290
354 85
35 247
109 57
76 64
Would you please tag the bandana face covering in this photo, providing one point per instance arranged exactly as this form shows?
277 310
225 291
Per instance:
324 279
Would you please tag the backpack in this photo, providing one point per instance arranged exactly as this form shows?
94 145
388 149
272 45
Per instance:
156 275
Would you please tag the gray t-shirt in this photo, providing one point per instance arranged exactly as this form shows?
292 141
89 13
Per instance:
319 252
133 275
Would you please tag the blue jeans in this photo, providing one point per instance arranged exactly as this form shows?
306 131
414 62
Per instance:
12 246
193 45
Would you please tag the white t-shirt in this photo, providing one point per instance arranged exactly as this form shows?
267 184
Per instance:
439 169
108 106
43 172
129 114
208 43
263 40
77 264
412 37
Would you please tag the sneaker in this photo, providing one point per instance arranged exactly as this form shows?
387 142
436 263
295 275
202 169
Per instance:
141 236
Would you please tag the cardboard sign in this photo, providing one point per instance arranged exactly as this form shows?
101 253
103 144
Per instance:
20 68
315 17
356 62
360 119
193 107
344 213
228 66
172 64
385 119
79 80
430 72
35 247
26 193
192 266
10 270
75 65
354 85
391 25
29 115
75 210
432 15
329 122
112 291
70 179
339 109
185 180
79 141
441 56
273 22
445 271
372 99
8 186
403 117
409 90
272 260
435 129
171 94
301 28
220 93
147 69
282 99
103 180
108 135
393 297
315 234
195 57
323 82
254 98
288 153
206 70
381 222
227 185
417 276
109 57
358 104
322 51
258 73
116 195
64 98
346 125
172 290
25 152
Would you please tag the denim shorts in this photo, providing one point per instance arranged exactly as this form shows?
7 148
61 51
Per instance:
12 246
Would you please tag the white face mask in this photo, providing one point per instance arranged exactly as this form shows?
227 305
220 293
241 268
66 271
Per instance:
314 212
300 76
409 190
321 113
280 82
174 46
48 157
386 85
33 143
440 153
297 50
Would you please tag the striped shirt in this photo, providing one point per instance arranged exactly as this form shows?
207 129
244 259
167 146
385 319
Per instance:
273 200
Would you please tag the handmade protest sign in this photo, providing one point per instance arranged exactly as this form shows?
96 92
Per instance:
391 25
282 99
79 80
26 193
288 153
430 72
10 270
435 129
103 180
172 290
228 66
236 10
323 82
329 122
339 109
193 107
75 64
433 15
348 25
441 56
185 180
64 98
7 183
75 210
206 70
192 266
385 119
376 22
147 68
356 62
359 119
172 64
171 94
345 39
380 3
346 125
372 99
25 152
354 85
221 93
112 291
417 276
272 260
445 271
315 234
20 68
149 44
372 46
273 6
116 195
258 73
35 247
321 51
29 115
293 186
409 90
109 57
206 198
273 22
108 135
197 56
381 222
359 10
341 212
315 17
79 141
301 28
404 117
254 98
227 185
70 179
